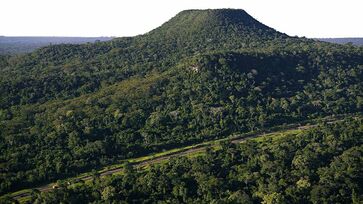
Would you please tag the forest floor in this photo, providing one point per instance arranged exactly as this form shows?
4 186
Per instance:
190 151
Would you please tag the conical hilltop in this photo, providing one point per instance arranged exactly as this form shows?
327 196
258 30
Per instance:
213 26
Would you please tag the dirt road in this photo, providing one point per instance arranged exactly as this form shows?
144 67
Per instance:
237 139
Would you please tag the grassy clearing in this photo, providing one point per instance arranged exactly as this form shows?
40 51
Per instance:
21 192
195 154
276 135
24 199
18 193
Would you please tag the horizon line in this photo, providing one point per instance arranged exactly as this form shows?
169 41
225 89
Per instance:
79 36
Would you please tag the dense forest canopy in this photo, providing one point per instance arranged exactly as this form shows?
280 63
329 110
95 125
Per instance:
321 165
205 74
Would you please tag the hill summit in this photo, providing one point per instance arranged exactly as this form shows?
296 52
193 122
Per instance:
203 75
215 24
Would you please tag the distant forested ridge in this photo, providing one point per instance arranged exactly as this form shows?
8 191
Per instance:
205 74
16 45
354 41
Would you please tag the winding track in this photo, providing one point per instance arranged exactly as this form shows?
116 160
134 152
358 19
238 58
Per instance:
237 139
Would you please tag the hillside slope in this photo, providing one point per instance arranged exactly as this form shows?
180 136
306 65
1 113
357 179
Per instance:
203 75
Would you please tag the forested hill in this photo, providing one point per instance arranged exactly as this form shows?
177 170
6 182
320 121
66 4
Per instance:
16 45
213 27
204 74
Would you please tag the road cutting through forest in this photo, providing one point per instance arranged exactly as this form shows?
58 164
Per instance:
184 152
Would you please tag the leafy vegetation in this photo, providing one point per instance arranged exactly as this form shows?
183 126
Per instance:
321 165
66 109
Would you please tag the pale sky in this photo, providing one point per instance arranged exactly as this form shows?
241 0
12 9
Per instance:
310 18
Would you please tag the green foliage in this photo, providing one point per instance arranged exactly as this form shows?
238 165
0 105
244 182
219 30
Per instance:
266 172
66 109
